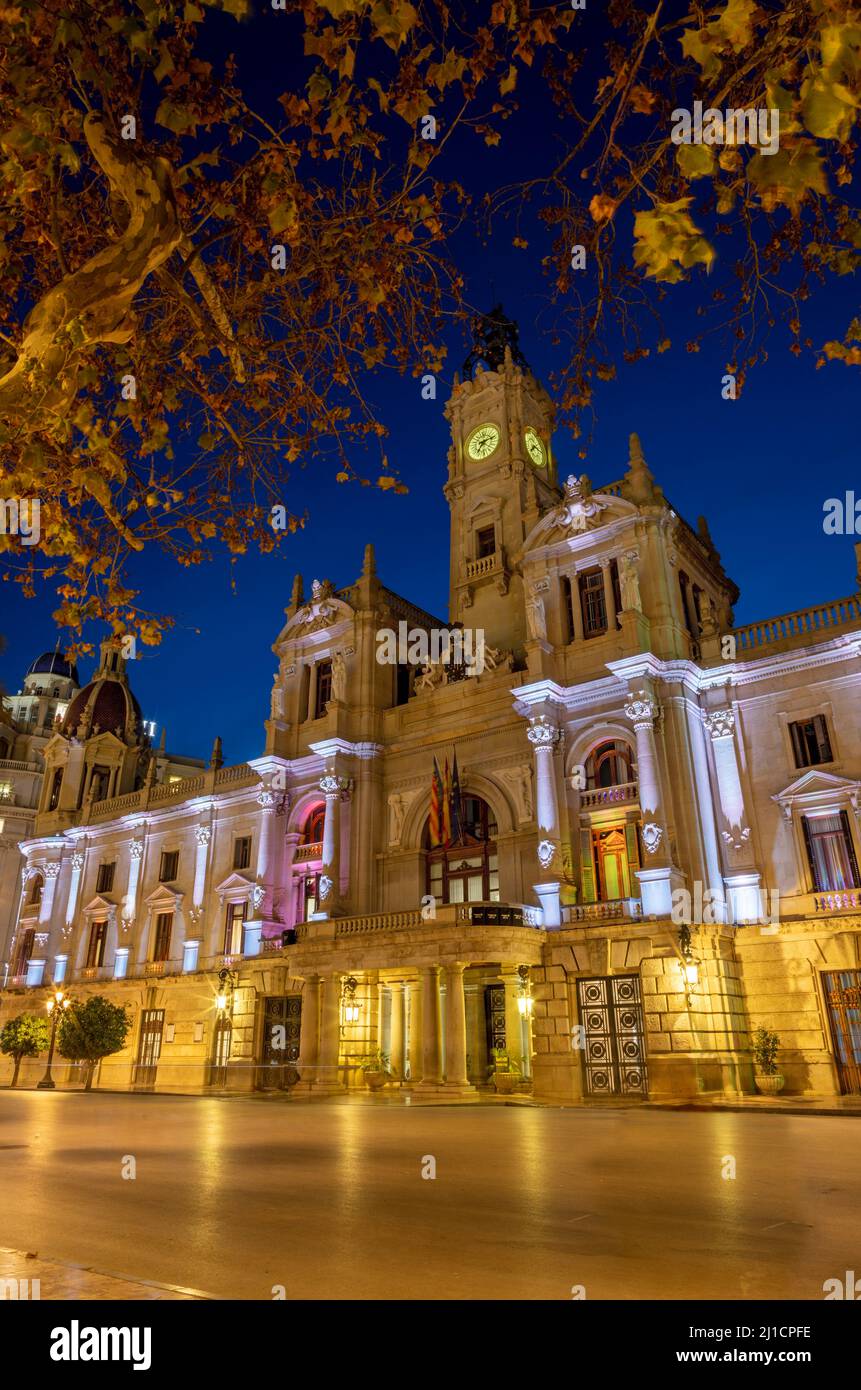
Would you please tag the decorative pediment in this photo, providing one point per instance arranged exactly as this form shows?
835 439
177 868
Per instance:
818 788
325 609
163 899
581 511
99 907
235 888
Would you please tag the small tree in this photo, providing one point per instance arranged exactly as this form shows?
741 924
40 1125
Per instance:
91 1031
24 1036
765 1047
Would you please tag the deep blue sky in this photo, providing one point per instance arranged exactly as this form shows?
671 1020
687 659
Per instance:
760 469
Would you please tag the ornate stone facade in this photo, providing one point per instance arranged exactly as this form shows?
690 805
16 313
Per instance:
634 766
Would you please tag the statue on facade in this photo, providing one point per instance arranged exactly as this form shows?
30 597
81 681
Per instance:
339 677
276 710
396 818
536 624
629 582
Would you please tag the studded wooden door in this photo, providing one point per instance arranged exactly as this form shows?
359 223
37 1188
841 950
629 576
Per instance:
611 1015
843 997
282 1023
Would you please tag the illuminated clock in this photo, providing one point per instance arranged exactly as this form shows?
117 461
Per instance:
482 442
535 448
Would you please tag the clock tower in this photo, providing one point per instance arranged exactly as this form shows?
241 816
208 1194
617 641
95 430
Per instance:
501 479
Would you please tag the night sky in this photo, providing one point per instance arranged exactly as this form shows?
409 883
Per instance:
760 469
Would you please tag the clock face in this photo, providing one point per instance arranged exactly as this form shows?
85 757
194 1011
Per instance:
535 448
482 442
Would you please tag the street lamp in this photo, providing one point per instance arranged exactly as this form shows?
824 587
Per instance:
351 1004
225 988
690 964
55 1007
524 998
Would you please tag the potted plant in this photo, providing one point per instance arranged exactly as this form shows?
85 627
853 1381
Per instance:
768 1079
504 1073
376 1069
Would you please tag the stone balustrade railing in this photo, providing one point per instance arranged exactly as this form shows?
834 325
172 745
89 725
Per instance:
791 629
162 792
609 796
475 569
617 909
11 765
838 900
306 852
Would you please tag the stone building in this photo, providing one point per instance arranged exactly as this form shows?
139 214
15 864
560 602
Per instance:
649 849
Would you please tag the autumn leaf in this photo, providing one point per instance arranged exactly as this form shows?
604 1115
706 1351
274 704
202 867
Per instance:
667 243
695 161
602 207
788 176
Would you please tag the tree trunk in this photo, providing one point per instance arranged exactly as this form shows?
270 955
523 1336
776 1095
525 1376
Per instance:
17 1069
91 1067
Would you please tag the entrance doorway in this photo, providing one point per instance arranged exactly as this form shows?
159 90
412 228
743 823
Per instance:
279 1053
614 1055
843 997
611 855
149 1049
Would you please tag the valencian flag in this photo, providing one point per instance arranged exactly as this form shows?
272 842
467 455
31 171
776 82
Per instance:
436 808
456 805
446 806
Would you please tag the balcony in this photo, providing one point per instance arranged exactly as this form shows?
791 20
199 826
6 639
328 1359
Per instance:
799 628
304 853
625 794
616 910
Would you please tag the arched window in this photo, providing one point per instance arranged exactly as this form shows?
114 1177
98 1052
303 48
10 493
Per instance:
313 831
609 765
467 869
34 890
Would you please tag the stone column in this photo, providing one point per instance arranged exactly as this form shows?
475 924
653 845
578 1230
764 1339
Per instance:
642 710
609 595
743 880
431 1027
658 878
455 1030
544 736
398 1026
415 1031
330 879
309 1044
330 1032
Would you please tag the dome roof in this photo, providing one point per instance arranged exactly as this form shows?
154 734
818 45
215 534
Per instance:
53 664
111 706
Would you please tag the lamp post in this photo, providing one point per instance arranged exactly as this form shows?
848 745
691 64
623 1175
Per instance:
226 984
60 1001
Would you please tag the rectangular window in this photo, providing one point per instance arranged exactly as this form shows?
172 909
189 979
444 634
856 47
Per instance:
105 878
242 852
96 948
163 930
169 865
233 925
55 789
324 688
830 851
810 741
592 603
485 542
567 608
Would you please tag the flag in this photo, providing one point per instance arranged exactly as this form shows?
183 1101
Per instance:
446 806
436 808
456 805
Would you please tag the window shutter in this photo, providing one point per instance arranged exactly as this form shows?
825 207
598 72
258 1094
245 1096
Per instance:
810 859
587 867
820 728
797 746
850 848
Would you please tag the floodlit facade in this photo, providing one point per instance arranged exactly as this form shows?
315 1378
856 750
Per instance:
649 849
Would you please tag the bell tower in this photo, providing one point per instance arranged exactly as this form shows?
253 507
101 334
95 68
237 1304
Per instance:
501 479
